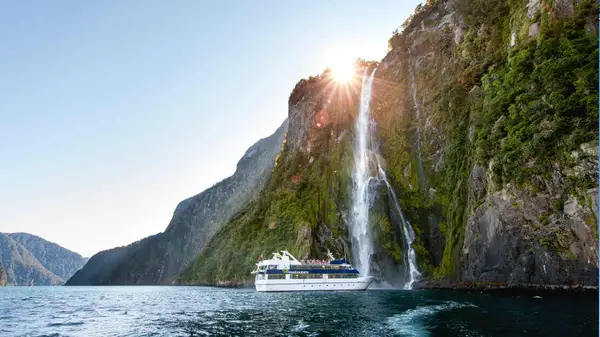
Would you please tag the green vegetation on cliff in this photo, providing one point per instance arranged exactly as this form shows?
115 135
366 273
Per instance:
517 92
160 258
474 97
302 202
26 257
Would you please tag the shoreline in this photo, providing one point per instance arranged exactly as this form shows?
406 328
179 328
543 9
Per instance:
499 287
467 287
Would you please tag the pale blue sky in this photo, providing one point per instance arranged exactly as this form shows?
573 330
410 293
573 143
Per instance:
111 112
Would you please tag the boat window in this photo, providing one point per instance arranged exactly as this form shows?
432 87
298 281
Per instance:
318 266
276 277
343 276
298 276
306 276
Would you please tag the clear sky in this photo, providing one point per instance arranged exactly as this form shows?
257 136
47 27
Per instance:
111 112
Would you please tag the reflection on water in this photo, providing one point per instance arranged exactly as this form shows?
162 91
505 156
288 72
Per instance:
199 311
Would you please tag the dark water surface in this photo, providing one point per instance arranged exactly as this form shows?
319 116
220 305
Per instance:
199 311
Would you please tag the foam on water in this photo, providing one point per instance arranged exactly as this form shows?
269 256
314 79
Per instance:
413 322
301 326
191 311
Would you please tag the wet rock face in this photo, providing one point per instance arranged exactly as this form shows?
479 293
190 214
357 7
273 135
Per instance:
533 6
541 232
478 182
515 238
518 237
564 8
534 30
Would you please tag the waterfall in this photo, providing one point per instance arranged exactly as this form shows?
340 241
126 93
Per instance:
410 257
362 245
367 168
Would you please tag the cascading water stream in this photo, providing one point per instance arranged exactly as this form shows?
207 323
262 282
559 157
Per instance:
365 158
362 247
409 235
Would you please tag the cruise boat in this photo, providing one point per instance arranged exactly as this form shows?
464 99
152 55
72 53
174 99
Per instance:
285 273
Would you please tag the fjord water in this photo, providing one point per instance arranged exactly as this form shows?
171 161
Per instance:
367 169
201 311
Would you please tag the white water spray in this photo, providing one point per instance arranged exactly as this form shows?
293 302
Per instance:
362 246
365 159
409 236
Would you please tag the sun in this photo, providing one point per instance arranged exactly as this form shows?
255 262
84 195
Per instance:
341 62
343 72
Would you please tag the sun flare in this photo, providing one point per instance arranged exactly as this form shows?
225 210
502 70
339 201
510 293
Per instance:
341 63
343 72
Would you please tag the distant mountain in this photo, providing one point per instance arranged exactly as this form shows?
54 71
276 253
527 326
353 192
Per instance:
27 258
160 258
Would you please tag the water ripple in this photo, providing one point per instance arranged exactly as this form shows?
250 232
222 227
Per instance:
198 311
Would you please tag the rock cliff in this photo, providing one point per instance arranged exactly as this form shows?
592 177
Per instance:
160 258
502 138
486 116
300 205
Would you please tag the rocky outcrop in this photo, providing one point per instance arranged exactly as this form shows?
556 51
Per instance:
515 238
313 105
159 259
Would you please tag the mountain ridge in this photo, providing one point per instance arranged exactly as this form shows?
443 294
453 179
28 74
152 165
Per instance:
160 258
27 257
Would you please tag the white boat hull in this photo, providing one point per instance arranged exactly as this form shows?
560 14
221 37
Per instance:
361 283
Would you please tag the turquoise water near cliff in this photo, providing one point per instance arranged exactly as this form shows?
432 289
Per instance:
200 311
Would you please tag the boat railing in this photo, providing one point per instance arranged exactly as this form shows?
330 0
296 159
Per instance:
314 262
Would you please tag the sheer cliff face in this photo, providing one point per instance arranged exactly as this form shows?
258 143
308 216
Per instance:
491 110
160 258
303 204
486 115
